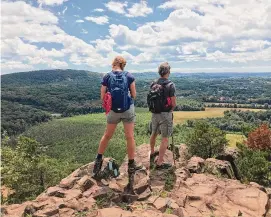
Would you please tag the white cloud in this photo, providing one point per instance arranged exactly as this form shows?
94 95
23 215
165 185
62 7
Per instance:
84 31
8 65
192 48
105 45
180 25
51 2
79 21
98 10
47 61
58 64
144 35
243 57
200 30
193 4
143 58
251 45
217 56
17 12
218 32
99 20
75 6
139 10
117 7
65 9
15 46
26 28
136 10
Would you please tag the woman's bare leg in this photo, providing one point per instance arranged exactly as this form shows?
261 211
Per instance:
109 132
129 134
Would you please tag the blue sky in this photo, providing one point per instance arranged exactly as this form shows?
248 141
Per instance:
192 35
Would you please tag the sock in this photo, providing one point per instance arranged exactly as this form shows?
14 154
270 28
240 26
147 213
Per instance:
99 156
131 161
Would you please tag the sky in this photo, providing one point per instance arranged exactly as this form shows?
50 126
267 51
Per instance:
191 35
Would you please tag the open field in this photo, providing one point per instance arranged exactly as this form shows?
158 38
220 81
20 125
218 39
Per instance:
182 116
78 137
234 138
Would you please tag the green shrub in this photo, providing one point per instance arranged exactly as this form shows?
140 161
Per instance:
254 166
206 141
28 172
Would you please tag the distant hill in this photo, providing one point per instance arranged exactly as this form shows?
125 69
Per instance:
204 75
46 76
39 93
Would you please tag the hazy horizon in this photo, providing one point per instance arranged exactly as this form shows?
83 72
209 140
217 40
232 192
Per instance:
173 72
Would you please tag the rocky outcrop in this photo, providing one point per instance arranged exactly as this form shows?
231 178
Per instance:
203 194
230 155
189 189
195 165
219 167
212 166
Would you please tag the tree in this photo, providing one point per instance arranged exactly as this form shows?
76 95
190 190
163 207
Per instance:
253 165
28 171
206 141
260 138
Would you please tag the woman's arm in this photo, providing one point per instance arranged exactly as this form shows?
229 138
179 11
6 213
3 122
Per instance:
133 90
103 91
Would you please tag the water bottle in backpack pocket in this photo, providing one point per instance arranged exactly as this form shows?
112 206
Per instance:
119 89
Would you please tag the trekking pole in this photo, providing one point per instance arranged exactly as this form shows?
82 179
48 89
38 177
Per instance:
172 141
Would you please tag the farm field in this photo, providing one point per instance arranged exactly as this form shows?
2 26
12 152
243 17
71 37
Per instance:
183 116
234 138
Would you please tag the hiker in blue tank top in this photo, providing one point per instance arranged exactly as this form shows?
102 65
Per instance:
121 86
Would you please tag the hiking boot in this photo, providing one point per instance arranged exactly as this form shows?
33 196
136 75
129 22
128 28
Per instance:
97 166
163 166
132 168
152 158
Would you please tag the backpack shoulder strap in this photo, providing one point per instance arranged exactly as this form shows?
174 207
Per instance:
125 73
154 82
111 79
169 84
111 74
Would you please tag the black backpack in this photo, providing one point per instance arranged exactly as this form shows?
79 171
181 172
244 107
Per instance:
157 97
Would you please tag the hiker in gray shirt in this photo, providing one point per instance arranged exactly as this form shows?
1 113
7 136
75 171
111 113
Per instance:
161 101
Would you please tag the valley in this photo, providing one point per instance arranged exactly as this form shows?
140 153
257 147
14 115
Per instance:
52 122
